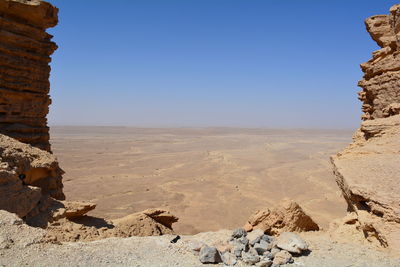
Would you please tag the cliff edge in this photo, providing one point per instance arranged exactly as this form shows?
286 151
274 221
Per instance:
368 171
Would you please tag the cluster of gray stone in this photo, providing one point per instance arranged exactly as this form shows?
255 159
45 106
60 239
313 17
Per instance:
257 248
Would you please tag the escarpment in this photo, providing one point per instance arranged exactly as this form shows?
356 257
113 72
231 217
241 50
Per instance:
368 170
25 49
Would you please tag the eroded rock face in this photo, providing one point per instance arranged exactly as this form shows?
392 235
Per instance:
27 175
380 94
287 217
368 171
25 50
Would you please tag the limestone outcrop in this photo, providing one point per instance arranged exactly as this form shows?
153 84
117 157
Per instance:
380 94
368 171
151 222
27 176
25 50
286 217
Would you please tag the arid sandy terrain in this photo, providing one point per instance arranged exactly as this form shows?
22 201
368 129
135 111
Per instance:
210 178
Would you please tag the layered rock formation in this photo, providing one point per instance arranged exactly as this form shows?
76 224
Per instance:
368 171
286 217
380 94
28 177
25 50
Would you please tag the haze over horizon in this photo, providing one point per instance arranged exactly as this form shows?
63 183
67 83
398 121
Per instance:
210 63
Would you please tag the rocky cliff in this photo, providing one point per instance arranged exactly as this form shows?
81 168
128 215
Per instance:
25 50
368 171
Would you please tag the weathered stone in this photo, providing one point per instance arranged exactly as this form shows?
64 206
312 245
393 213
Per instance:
251 257
243 240
262 247
282 257
238 233
274 251
145 223
255 236
289 216
209 255
229 259
25 50
367 171
267 238
28 175
269 255
238 248
291 242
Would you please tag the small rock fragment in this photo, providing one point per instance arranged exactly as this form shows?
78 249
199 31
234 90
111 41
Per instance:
229 259
238 233
209 255
274 251
238 248
255 236
262 247
282 257
251 257
267 238
243 240
269 255
292 243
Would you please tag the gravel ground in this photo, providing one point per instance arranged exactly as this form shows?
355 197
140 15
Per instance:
158 251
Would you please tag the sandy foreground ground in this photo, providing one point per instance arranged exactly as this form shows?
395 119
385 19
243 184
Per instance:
212 178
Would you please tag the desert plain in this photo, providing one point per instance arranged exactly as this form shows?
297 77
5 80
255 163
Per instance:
211 178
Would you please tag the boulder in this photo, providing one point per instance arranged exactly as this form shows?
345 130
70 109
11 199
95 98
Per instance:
145 223
28 177
291 242
287 217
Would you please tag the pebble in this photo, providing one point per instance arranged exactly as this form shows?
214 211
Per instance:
238 248
243 240
229 259
282 257
274 251
261 248
238 233
255 236
251 257
292 243
269 255
267 238
209 255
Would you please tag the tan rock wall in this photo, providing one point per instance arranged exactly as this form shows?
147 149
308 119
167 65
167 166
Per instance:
25 50
368 170
381 82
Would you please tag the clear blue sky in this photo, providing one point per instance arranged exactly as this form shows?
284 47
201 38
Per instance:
195 63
